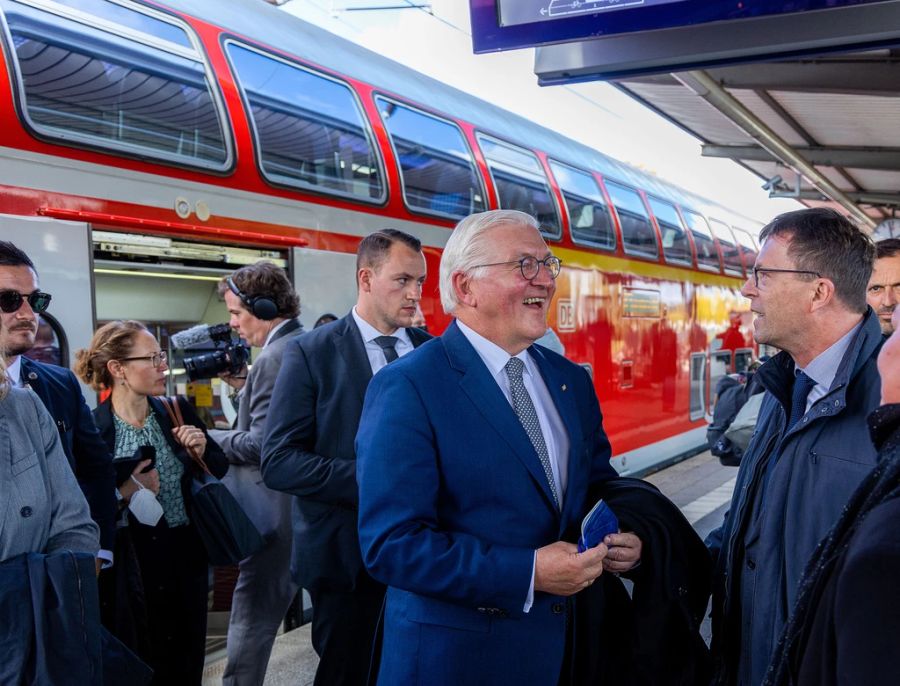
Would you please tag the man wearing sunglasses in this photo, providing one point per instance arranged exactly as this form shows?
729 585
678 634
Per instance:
21 301
811 447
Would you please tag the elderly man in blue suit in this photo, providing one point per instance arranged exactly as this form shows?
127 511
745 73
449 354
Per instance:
475 456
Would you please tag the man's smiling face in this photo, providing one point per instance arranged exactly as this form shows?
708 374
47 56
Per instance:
512 310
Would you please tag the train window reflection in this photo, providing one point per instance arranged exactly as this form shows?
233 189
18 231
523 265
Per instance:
676 246
589 219
50 344
310 130
521 183
707 255
748 246
638 235
731 255
114 83
138 21
436 165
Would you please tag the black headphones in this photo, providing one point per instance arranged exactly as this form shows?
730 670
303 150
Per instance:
260 306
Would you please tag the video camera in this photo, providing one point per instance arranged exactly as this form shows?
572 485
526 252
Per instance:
229 356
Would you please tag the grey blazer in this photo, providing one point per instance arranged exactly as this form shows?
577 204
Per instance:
243 443
42 509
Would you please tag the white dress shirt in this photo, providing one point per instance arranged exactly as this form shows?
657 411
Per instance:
14 372
556 437
824 368
374 351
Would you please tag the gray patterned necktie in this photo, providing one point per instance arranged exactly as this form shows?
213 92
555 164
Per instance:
528 417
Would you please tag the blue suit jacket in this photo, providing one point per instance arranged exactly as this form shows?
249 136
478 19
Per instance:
453 504
88 455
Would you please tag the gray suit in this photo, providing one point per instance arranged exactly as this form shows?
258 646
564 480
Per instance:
264 589
42 509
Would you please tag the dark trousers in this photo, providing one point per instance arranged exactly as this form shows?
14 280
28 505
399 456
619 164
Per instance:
175 576
343 634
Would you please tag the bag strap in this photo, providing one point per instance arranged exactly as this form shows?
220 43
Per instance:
165 403
173 409
177 406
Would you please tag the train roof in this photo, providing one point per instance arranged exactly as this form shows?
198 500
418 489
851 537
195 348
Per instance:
292 35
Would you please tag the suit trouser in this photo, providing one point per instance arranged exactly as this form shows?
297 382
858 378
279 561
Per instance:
343 633
263 593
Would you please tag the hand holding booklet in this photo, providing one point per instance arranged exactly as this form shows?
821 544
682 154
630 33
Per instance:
596 525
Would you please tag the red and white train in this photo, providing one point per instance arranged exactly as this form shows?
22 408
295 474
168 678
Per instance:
148 148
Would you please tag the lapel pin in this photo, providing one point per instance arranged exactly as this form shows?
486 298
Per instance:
32 376
564 387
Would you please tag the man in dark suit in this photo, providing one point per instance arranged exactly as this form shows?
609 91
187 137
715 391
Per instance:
264 308
476 454
308 450
21 302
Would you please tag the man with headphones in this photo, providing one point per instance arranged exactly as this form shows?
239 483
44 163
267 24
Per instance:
264 308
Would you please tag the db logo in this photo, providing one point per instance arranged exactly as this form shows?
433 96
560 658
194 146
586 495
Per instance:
565 315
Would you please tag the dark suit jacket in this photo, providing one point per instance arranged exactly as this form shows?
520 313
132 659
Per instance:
89 457
308 449
454 502
214 457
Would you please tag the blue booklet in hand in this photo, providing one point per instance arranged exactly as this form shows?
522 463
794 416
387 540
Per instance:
596 525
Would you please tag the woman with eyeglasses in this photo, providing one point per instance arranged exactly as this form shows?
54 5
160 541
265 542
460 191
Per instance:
125 358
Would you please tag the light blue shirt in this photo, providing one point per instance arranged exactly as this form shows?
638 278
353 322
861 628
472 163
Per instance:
556 437
374 351
825 366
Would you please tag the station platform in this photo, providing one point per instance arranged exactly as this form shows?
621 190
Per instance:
700 486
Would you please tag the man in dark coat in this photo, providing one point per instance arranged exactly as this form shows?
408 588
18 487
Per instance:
809 453
844 627
58 389
308 447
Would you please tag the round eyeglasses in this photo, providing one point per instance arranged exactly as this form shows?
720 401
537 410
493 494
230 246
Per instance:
531 266
11 301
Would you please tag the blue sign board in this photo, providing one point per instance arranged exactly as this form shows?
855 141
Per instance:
510 24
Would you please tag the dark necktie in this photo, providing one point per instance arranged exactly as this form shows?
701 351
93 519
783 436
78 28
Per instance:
528 417
388 345
802 386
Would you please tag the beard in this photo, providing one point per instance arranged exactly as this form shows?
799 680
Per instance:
13 343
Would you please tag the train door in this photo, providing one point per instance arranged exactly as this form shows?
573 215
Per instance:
61 252
326 282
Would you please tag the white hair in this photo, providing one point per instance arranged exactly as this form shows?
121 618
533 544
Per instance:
466 249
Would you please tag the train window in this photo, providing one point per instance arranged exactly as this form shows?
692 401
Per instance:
50 344
589 219
743 357
731 255
521 183
676 246
719 365
707 255
436 166
748 246
638 235
698 383
310 129
116 77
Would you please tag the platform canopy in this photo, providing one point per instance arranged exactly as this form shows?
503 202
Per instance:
806 94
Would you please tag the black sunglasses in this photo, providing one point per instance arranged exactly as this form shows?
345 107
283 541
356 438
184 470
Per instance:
11 301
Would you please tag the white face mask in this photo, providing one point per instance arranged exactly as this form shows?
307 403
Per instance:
145 507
